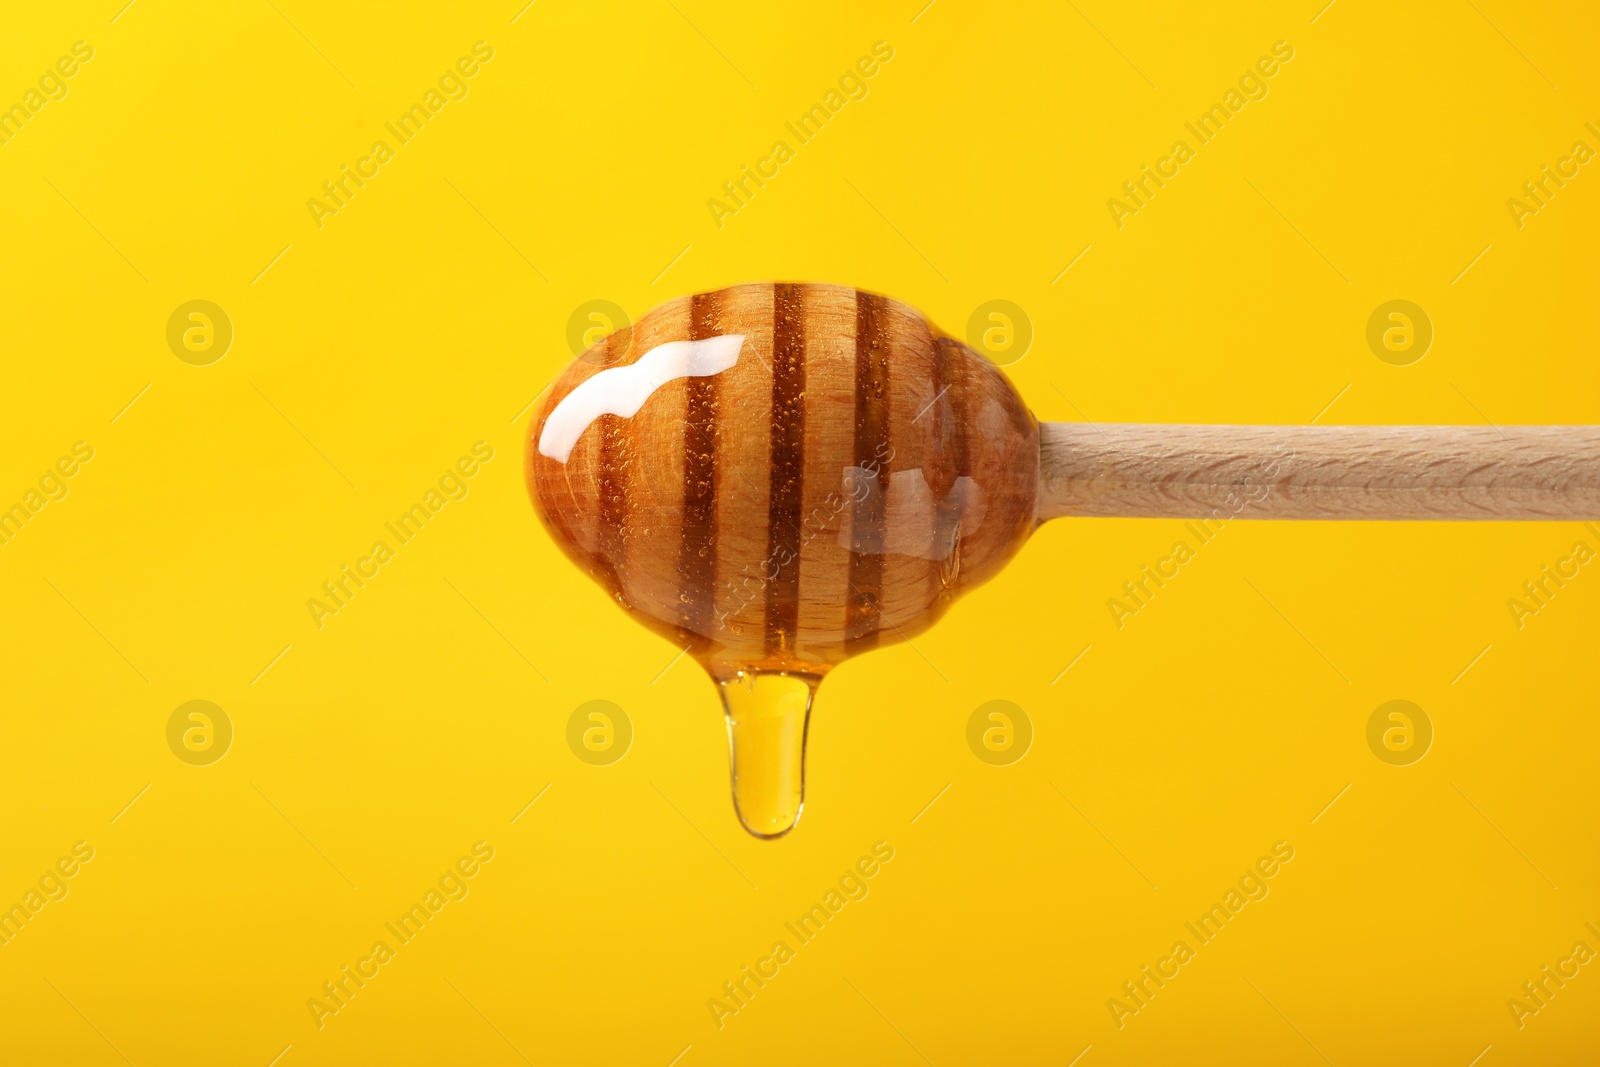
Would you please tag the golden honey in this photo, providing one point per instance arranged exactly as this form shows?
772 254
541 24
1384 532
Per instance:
778 477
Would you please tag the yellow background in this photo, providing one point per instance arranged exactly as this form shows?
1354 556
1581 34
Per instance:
423 718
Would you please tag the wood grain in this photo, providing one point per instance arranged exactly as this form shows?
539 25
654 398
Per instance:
1320 472
854 469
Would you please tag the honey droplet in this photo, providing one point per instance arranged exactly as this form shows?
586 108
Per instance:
767 713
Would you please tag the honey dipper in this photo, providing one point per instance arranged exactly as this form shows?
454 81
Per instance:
780 476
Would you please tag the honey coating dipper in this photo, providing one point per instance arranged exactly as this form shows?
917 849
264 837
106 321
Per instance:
780 476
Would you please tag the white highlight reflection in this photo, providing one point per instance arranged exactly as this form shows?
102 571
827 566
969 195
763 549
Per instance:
623 390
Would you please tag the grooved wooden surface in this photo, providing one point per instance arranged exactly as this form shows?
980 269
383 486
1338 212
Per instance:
832 490
1320 472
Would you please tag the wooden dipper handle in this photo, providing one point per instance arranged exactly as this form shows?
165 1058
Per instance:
1320 472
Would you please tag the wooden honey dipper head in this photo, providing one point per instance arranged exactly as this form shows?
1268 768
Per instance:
777 477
